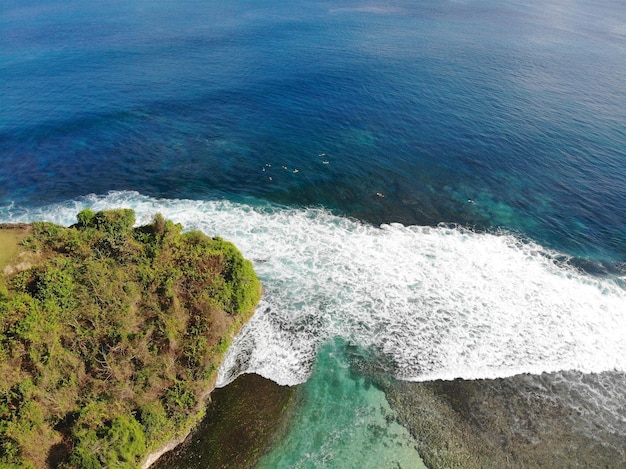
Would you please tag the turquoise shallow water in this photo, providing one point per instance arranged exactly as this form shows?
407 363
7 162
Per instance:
329 140
342 420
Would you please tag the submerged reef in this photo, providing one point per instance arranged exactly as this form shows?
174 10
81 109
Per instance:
557 420
111 336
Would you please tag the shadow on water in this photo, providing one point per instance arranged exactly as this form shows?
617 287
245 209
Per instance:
242 421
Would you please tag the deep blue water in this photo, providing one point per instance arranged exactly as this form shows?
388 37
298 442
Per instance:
518 106
312 123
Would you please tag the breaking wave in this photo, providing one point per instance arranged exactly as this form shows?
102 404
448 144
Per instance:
429 302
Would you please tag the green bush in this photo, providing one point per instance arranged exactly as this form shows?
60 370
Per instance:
55 283
85 218
179 399
125 442
154 420
83 458
9 454
4 291
112 221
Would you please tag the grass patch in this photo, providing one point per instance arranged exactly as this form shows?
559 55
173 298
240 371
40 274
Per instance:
10 238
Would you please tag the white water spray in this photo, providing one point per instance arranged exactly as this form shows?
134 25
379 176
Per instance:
434 302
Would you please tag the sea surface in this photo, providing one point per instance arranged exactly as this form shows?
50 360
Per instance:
436 189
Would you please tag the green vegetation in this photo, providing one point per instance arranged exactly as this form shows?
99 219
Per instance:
111 339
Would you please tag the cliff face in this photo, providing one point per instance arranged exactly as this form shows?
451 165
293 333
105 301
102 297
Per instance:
110 336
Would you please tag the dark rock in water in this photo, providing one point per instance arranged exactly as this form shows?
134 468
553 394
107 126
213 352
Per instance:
556 420
242 421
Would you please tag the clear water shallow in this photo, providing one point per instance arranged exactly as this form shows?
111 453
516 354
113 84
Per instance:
504 117
343 421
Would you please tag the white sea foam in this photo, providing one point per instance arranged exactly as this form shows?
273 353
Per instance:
433 302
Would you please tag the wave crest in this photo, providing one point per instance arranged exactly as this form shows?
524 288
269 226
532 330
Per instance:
438 302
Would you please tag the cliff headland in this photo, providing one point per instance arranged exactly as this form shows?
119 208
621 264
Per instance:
111 336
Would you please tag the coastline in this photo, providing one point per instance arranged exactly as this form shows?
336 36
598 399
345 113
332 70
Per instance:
204 401
516 422
152 457
58 249
242 421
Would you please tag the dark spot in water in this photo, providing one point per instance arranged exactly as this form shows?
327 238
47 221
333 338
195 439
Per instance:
242 421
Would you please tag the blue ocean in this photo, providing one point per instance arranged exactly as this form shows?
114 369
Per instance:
437 185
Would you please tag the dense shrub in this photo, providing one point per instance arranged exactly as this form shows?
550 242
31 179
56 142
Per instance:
109 342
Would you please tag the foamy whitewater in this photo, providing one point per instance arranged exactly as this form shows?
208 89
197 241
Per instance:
427 302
